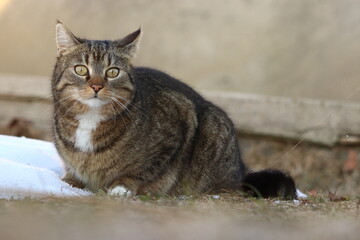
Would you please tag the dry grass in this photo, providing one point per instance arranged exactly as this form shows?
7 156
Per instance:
231 216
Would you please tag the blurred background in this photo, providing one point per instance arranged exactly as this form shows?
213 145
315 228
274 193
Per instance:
307 48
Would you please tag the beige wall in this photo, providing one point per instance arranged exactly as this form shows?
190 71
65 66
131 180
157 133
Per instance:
289 48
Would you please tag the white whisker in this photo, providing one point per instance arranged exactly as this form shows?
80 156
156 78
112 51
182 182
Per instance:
114 110
131 104
127 111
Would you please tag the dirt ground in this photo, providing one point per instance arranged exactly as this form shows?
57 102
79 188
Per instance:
206 217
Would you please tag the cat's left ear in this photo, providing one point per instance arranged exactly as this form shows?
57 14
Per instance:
129 45
65 40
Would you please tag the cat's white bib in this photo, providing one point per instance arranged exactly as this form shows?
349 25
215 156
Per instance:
87 123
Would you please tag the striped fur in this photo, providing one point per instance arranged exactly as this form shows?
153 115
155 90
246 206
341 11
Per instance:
145 131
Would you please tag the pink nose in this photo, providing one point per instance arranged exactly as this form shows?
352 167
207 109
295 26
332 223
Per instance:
97 87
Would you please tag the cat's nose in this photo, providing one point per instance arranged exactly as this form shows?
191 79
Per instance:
97 87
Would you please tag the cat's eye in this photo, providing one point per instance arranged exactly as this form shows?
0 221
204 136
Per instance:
81 70
112 72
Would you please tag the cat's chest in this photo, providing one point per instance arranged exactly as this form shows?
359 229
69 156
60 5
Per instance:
87 123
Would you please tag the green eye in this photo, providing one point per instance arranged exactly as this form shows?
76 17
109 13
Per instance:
81 70
112 72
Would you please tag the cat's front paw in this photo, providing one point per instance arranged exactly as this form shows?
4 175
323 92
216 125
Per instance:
119 191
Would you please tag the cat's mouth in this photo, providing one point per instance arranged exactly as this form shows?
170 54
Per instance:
94 101
94 98
97 96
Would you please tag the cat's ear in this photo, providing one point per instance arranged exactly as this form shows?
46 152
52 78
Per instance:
129 45
65 40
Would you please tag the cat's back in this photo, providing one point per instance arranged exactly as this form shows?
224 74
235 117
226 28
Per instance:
153 82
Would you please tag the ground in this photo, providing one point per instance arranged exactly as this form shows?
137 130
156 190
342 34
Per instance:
227 216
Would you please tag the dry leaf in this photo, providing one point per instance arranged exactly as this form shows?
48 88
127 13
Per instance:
313 193
335 198
351 162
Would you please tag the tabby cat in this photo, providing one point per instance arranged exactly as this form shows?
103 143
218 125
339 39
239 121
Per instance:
130 130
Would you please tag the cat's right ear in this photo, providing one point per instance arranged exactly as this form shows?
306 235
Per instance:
129 45
65 40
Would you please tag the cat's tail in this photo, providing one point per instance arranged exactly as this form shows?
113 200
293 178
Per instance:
269 183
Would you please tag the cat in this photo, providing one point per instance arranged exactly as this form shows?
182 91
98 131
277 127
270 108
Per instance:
134 130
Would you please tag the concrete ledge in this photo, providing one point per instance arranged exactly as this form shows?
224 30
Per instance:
24 86
317 121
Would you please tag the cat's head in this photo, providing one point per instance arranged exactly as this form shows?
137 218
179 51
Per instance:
93 73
